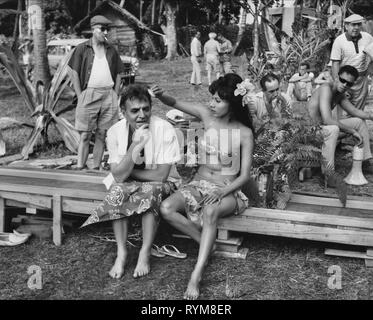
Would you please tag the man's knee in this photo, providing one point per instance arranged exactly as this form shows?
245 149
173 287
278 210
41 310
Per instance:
209 215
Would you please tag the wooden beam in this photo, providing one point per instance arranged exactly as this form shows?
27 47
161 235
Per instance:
352 202
320 219
2 215
299 231
346 253
57 217
62 175
40 201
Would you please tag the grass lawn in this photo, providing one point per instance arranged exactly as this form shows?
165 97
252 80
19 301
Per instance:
275 268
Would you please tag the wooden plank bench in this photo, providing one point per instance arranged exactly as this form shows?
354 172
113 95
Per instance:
56 190
312 217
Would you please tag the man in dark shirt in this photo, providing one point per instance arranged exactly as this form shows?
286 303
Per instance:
96 68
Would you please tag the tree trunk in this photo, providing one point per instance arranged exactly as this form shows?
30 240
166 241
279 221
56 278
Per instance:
41 67
220 12
241 27
16 28
273 44
171 30
153 12
161 5
256 33
141 5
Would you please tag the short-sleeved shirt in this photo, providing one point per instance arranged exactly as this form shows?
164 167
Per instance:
195 47
82 61
349 53
161 148
257 106
212 47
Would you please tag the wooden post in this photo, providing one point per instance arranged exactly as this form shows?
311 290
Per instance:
223 234
57 217
2 214
369 262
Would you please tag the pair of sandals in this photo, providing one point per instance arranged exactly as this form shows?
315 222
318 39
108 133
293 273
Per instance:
13 239
167 250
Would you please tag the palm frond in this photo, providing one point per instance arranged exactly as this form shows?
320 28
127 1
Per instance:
8 60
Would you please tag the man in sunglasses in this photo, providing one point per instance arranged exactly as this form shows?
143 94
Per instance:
96 68
320 107
348 49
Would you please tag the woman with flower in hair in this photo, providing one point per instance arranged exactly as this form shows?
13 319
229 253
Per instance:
142 148
225 154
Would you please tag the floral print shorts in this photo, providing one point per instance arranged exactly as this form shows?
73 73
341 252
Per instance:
129 199
196 190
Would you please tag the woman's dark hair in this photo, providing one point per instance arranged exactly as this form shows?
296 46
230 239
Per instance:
134 92
225 87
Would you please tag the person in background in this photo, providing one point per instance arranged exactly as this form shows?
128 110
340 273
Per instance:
270 102
196 58
349 49
225 54
325 76
211 52
96 76
300 84
320 107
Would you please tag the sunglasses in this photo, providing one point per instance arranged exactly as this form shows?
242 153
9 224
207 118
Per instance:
344 81
103 29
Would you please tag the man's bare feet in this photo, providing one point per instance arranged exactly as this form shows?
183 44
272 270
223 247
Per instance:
118 268
143 265
192 291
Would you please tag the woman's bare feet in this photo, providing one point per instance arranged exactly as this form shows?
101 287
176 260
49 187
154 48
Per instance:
143 264
192 291
117 270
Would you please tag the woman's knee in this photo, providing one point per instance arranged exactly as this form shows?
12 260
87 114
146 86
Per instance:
167 209
210 215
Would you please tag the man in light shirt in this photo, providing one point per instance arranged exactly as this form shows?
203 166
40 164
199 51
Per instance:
196 54
271 102
211 51
300 84
96 68
348 49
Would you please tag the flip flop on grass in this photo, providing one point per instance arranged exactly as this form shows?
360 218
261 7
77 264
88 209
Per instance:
155 251
170 250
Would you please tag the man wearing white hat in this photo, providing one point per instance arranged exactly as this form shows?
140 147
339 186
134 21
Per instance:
348 49
211 51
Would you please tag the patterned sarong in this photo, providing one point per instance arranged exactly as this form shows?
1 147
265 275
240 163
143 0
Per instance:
130 199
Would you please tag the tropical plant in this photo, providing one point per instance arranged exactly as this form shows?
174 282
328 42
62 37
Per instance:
45 112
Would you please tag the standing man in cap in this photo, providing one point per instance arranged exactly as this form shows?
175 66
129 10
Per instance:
211 51
96 79
348 49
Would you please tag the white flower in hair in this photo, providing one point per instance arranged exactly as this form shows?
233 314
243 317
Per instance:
244 88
